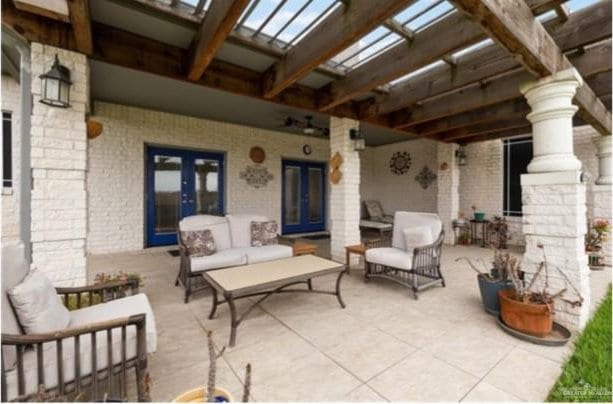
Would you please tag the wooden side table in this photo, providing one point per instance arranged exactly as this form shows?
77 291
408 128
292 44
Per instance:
358 249
302 248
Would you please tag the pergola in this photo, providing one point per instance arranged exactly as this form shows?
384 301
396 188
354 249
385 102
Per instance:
435 74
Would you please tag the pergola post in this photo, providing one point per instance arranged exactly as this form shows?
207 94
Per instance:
554 197
345 195
448 184
601 190
59 163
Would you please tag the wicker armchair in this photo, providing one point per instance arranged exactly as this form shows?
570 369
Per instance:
47 366
417 269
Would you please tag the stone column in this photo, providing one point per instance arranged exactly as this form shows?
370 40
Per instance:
448 184
344 196
601 191
59 161
553 196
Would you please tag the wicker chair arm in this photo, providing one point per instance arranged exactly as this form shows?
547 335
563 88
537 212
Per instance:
130 283
436 244
377 243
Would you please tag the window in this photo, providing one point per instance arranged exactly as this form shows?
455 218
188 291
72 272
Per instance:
517 156
7 150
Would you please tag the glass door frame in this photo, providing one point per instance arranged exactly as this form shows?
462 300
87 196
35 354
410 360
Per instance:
188 158
305 225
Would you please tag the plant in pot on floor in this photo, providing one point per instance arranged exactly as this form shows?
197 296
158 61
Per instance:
527 309
491 280
597 234
213 393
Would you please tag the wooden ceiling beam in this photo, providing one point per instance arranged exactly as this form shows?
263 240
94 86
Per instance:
343 27
216 25
55 9
512 25
81 25
584 27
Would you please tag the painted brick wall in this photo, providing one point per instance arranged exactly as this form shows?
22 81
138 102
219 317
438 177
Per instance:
11 95
115 178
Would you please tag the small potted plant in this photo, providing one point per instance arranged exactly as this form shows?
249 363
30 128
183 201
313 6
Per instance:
528 310
498 229
491 280
596 235
479 216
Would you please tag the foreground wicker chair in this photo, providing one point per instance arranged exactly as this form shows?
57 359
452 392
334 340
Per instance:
418 268
30 361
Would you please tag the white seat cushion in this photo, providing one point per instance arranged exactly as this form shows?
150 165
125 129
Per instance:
221 259
218 225
240 228
391 257
267 253
123 307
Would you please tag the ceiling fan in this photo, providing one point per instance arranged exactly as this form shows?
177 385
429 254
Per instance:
307 126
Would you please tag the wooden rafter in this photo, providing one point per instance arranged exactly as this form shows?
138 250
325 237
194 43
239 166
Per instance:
216 26
55 9
81 25
344 26
512 25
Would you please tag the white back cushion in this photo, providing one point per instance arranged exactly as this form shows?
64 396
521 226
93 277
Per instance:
403 220
240 228
38 306
218 225
417 236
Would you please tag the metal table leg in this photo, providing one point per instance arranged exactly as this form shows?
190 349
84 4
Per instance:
215 302
233 319
338 289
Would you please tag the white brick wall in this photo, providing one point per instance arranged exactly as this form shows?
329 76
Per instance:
116 168
11 95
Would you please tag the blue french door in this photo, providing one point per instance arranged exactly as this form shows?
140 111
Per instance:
181 183
303 196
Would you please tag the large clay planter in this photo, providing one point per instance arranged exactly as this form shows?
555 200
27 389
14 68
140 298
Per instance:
489 293
529 318
198 396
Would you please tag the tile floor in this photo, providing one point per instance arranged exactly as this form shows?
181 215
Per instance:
385 346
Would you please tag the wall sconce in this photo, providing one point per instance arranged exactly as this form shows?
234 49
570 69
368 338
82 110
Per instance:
55 86
358 140
460 154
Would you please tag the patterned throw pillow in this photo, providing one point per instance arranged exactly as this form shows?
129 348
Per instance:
374 210
199 243
264 233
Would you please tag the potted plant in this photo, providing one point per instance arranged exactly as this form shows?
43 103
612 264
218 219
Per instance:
596 235
479 216
491 280
528 310
213 393
499 232
463 238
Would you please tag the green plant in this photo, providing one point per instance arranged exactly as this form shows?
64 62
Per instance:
103 277
597 234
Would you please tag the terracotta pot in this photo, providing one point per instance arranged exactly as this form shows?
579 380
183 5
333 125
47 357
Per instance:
530 318
197 395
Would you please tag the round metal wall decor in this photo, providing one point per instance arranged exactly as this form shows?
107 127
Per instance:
307 150
400 163
257 154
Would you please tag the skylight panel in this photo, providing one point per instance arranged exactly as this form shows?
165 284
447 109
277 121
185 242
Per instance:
472 48
416 73
440 10
314 14
575 5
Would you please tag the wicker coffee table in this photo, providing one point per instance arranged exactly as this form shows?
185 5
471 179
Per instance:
267 278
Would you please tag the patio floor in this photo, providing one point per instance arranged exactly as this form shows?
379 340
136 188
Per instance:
385 346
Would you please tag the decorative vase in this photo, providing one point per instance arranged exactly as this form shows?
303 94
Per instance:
529 318
489 293
197 395
480 216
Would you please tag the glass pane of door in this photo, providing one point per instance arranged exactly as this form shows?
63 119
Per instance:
292 195
315 196
206 183
167 193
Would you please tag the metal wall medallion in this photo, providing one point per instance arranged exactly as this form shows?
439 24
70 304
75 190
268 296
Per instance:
256 176
400 163
425 177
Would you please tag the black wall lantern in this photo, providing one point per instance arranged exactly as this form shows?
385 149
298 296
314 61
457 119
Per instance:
460 154
55 86
358 139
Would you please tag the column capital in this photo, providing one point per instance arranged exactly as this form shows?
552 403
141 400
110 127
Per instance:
603 151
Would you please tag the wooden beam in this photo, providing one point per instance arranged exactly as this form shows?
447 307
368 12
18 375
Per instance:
595 60
216 25
512 25
55 9
81 25
584 27
344 26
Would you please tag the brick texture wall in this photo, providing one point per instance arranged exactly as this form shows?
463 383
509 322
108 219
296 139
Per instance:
11 96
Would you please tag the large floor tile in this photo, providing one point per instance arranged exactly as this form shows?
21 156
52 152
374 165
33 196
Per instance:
486 393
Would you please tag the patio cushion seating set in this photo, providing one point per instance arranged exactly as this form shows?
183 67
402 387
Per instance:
45 344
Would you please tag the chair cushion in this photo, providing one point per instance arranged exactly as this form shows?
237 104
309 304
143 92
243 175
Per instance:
417 236
267 253
375 212
107 311
389 256
14 270
221 259
38 306
199 243
264 233
240 228
402 220
218 225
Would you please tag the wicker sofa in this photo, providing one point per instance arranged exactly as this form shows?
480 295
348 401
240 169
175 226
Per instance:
232 235
121 327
